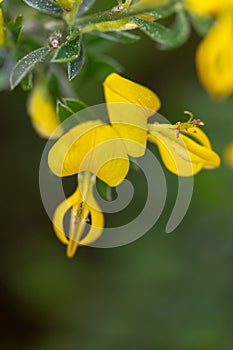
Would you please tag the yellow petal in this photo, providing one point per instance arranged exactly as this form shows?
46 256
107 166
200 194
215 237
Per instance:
228 154
129 106
209 7
60 212
76 230
214 58
182 156
119 89
90 146
199 136
41 109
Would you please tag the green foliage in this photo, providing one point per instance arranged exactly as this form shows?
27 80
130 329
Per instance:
75 66
104 190
26 64
46 6
169 38
119 37
201 25
16 28
26 82
85 6
68 51
68 107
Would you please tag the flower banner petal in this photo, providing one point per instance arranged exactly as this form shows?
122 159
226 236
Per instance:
129 106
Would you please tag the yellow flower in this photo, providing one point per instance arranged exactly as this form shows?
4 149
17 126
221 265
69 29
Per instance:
130 119
209 7
42 111
214 58
181 155
84 212
228 154
95 149
90 149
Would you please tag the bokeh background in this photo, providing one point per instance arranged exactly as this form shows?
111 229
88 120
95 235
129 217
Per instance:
161 292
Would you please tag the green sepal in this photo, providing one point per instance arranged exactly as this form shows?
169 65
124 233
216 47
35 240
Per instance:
68 51
104 190
46 6
134 165
68 107
26 64
202 25
169 38
75 67
63 111
123 37
27 82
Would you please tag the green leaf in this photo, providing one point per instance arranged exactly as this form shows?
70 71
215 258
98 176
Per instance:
6 63
74 105
169 38
68 107
68 51
201 25
75 67
46 6
160 13
53 84
99 67
63 111
26 82
119 37
26 64
85 6
104 190
16 28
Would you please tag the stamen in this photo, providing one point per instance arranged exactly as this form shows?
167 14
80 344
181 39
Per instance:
191 123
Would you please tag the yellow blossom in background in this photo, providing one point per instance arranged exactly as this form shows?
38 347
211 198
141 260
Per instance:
68 5
214 58
2 32
42 111
228 154
209 7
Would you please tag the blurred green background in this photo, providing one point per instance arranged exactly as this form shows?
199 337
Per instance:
161 292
